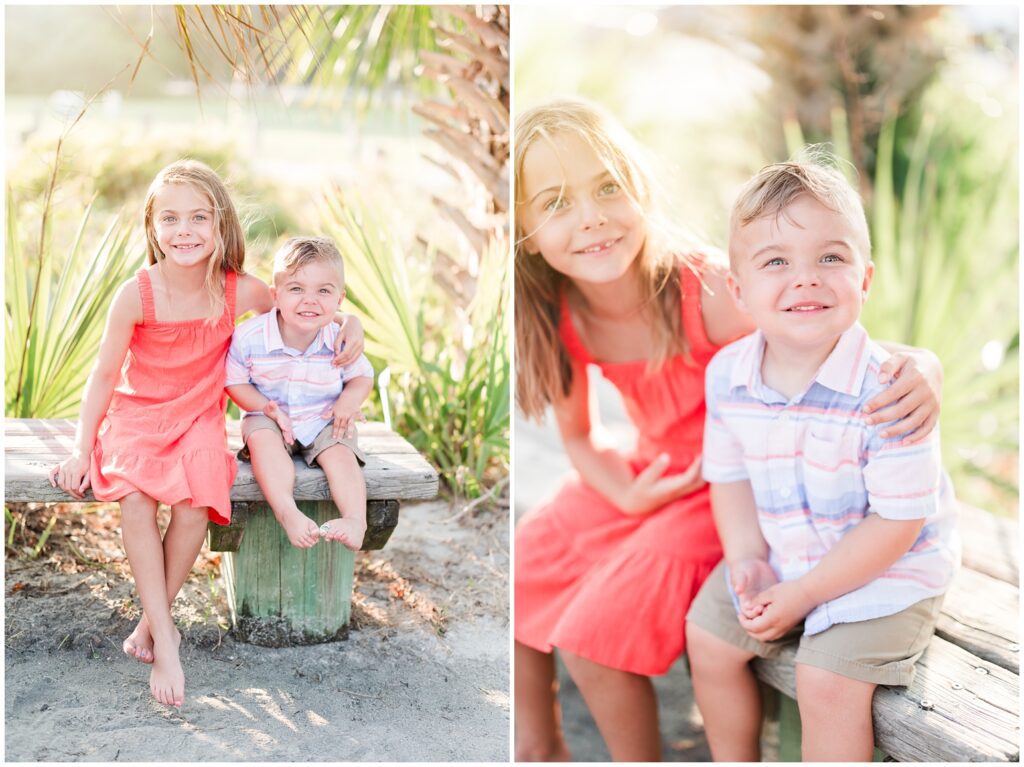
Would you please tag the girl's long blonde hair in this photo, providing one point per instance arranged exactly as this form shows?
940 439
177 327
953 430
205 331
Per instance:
543 372
229 241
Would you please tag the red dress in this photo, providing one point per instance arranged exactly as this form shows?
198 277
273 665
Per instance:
165 433
614 588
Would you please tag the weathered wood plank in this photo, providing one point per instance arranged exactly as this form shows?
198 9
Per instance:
394 469
284 595
990 544
958 709
981 614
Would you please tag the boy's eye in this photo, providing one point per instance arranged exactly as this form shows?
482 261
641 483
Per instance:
609 188
832 258
777 261
295 289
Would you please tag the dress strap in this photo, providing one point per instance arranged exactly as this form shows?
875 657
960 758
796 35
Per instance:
230 287
146 294
567 331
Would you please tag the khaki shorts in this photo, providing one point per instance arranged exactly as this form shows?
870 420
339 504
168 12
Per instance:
879 651
323 440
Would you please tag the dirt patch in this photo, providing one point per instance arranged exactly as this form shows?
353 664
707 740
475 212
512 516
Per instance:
423 675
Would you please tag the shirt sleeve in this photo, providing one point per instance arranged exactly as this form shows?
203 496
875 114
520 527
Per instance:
723 452
358 369
236 363
902 481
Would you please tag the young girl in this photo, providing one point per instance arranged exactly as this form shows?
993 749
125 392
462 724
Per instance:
606 570
159 436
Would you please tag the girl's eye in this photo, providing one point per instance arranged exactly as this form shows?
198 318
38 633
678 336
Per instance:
556 204
167 220
609 188
200 217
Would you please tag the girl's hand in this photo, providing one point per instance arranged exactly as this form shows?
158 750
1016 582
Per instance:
345 417
782 606
649 490
273 411
914 395
72 475
350 341
749 578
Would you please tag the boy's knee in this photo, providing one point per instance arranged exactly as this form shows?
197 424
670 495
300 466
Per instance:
819 690
337 456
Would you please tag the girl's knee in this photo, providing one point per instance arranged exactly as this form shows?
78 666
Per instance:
708 651
189 513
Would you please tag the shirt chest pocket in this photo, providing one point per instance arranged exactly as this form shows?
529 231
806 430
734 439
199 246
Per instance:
833 478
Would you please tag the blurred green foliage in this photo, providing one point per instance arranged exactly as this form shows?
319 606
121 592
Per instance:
448 357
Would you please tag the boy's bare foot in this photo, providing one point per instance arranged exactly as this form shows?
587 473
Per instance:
349 532
167 680
300 529
139 644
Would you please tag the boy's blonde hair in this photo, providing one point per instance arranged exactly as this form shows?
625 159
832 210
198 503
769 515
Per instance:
299 251
229 241
814 172
543 372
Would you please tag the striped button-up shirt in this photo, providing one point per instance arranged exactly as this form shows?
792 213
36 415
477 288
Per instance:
302 382
817 469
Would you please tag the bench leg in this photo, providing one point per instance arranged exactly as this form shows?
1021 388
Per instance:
280 595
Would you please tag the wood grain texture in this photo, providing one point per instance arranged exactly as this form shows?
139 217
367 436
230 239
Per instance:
952 712
394 470
990 544
282 595
981 614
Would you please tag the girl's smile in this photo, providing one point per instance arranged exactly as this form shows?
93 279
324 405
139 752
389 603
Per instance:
184 224
574 212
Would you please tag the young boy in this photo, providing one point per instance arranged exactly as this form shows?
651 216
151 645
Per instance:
833 536
279 372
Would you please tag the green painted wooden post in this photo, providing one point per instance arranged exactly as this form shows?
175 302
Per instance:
280 595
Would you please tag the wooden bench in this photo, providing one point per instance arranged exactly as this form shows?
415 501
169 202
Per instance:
964 703
278 595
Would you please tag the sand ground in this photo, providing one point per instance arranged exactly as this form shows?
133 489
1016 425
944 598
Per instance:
423 676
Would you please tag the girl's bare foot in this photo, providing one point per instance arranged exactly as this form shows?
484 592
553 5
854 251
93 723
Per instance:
349 532
300 529
139 644
167 680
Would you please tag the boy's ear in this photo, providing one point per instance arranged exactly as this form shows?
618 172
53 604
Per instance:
734 288
869 272
273 293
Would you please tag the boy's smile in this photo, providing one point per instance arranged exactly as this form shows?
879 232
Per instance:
306 301
801 275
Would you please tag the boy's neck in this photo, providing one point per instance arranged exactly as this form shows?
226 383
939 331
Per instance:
789 370
293 337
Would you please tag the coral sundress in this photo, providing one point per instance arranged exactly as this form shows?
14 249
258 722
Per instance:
165 432
606 586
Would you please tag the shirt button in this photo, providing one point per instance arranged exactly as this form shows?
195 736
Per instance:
785 492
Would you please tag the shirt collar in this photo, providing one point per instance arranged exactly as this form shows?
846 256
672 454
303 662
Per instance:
843 370
272 333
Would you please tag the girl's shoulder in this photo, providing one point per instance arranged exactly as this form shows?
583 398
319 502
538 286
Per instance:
724 321
252 294
127 302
